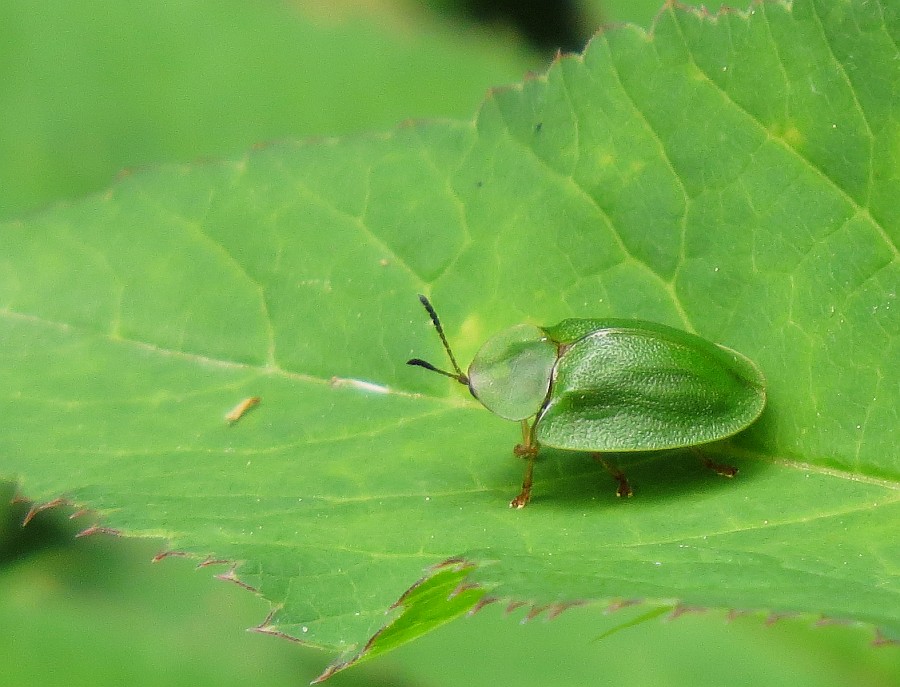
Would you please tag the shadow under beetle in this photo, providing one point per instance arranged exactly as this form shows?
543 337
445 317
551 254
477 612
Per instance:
609 385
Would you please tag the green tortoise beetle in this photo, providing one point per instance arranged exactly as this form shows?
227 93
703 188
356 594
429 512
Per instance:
609 385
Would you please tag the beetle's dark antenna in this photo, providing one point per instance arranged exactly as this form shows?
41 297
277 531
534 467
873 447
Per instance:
458 376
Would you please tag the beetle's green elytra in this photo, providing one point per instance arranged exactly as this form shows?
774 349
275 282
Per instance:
604 385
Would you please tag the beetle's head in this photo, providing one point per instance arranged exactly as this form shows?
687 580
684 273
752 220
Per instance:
510 374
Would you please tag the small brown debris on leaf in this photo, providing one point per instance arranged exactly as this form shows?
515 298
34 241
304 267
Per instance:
241 408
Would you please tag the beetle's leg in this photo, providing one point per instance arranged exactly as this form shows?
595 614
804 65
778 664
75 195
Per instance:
524 449
623 488
525 495
527 449
718 468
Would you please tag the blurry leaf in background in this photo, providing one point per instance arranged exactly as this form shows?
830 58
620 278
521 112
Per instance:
88 88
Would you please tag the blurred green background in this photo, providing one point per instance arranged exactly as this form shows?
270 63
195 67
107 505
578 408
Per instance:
88 89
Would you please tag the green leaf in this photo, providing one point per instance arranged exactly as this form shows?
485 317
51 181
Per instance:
172 624
92 86
735 176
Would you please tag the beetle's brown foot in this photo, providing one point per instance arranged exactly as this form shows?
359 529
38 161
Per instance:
521 500
719 468
623 488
